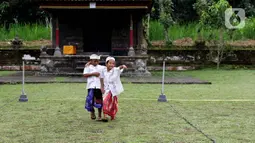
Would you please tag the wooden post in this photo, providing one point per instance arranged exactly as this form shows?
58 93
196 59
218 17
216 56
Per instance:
131 32
57 51
57 33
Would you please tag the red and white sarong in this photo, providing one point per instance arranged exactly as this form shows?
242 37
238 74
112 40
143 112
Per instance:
110 105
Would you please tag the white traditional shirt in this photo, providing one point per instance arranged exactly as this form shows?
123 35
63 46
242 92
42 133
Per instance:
112 80
93 81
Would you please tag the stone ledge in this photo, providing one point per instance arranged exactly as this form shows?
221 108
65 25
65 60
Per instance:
18 68
87 57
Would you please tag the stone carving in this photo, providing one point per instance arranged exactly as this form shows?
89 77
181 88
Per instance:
142 50
43 50
153 59
47 65
180 58
145 24
43 69
140 64
16 43
141 68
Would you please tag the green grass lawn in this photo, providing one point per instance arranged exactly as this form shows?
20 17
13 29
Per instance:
6 73
55 113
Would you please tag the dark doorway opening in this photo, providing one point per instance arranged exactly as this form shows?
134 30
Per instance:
97 31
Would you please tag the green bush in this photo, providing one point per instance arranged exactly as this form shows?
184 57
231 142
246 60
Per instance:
25 32
178 31
248 32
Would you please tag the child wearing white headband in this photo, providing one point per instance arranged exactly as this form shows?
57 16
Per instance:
112 87
94 98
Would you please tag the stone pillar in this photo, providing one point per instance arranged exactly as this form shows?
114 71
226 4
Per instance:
53 31
141 51
131 51
142 44
51 28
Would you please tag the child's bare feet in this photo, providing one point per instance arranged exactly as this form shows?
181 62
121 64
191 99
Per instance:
99 119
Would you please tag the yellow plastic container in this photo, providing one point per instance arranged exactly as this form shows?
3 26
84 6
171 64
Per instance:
69 50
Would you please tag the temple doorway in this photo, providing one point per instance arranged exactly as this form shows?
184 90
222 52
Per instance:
97 31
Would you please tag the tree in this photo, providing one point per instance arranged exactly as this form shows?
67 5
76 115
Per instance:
249 7
213 17
166 17
155 13
200 6
183 11
21 11
5 16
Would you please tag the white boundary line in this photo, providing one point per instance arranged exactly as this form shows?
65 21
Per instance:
198 100
150 99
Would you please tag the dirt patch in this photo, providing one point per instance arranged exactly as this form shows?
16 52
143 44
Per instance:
37 43
4 43
184 42
246 43
180 42
28 43
158 43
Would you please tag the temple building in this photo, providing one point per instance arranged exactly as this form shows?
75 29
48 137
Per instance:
104 27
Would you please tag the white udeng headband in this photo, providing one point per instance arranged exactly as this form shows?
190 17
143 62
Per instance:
109 58
94 57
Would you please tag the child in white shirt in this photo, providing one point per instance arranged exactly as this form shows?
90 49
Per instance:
94 98
112 87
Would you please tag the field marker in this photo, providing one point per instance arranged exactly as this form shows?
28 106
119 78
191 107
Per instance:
162 96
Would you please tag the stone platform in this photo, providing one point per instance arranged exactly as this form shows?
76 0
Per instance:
74 65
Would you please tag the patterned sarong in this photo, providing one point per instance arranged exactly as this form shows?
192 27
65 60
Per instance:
110 105
93 100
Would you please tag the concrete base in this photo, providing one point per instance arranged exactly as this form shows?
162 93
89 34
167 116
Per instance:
57 52
131 51
162 98
23 98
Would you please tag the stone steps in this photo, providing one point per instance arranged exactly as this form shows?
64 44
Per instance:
72 65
